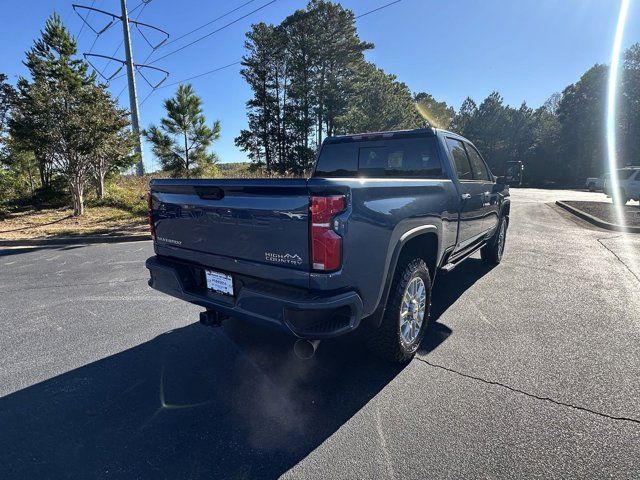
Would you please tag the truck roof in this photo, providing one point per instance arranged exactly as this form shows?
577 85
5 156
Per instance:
416 132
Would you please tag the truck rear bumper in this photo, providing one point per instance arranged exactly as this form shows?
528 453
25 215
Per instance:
300 312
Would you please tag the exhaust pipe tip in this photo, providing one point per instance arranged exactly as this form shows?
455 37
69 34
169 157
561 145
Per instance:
305 349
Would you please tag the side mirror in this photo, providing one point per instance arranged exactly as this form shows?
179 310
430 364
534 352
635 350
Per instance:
503 180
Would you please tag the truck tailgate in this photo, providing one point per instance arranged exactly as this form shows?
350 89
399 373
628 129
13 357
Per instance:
262 221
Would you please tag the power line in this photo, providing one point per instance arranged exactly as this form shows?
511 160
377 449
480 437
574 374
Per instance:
113 55
201 74
141 4
148 95
379 8
85 21
144 5
211 33
239 61
198 28
187 79
93 44
121 91
209 23
128 62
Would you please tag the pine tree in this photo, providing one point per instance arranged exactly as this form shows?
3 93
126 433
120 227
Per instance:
61 115
438 114
380 103
182 140
303 75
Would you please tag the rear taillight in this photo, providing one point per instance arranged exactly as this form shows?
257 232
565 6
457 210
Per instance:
152 227
326 244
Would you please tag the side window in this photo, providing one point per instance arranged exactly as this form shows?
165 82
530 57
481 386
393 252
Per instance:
480 171
374 158
463 168
400 157
337 160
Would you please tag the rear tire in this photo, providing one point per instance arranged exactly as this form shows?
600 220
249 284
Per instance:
492 252
406 314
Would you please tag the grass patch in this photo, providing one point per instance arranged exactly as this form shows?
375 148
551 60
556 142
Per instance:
59 222
126 192
122 211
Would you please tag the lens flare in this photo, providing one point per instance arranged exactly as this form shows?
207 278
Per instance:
424 113
611 108
629 251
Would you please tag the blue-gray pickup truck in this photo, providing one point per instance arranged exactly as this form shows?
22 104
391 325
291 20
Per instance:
358 244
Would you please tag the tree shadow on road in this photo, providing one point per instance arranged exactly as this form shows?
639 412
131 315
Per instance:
196 402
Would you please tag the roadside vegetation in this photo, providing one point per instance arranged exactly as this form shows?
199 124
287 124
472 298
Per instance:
122 210
182 140
310 78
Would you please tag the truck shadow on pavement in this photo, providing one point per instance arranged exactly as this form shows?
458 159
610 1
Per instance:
196 402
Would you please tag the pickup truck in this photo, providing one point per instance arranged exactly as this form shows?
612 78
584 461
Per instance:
628 185
594 183
358 244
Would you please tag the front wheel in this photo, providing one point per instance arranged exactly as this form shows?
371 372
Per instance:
491 253
406 315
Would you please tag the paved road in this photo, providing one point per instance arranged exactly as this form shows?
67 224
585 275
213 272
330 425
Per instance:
531 370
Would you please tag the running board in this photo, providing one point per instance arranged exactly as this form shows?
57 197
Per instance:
448 267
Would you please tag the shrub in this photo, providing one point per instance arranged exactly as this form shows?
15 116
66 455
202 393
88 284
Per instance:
126 192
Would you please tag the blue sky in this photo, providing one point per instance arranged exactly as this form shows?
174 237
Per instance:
525 49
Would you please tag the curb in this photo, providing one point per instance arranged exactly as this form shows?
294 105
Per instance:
596 221
29 242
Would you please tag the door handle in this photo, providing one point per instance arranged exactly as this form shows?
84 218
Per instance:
465 196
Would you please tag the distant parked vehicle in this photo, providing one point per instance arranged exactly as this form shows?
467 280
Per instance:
628 185
595 183
515 169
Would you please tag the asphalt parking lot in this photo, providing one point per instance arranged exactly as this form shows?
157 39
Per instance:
531 369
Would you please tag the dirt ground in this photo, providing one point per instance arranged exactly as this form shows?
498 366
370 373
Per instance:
61 223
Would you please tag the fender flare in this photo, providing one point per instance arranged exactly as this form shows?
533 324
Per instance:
506 205
393 262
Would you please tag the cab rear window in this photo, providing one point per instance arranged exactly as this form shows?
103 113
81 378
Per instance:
392 157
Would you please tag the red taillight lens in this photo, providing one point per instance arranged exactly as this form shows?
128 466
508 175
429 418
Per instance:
152 227
326 244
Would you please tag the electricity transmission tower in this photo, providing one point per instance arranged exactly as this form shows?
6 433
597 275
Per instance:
131 67
131 77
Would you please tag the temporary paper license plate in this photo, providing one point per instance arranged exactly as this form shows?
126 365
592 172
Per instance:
219 282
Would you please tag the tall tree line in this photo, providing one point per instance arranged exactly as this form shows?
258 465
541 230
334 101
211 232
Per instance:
60 123
562 142
310 80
